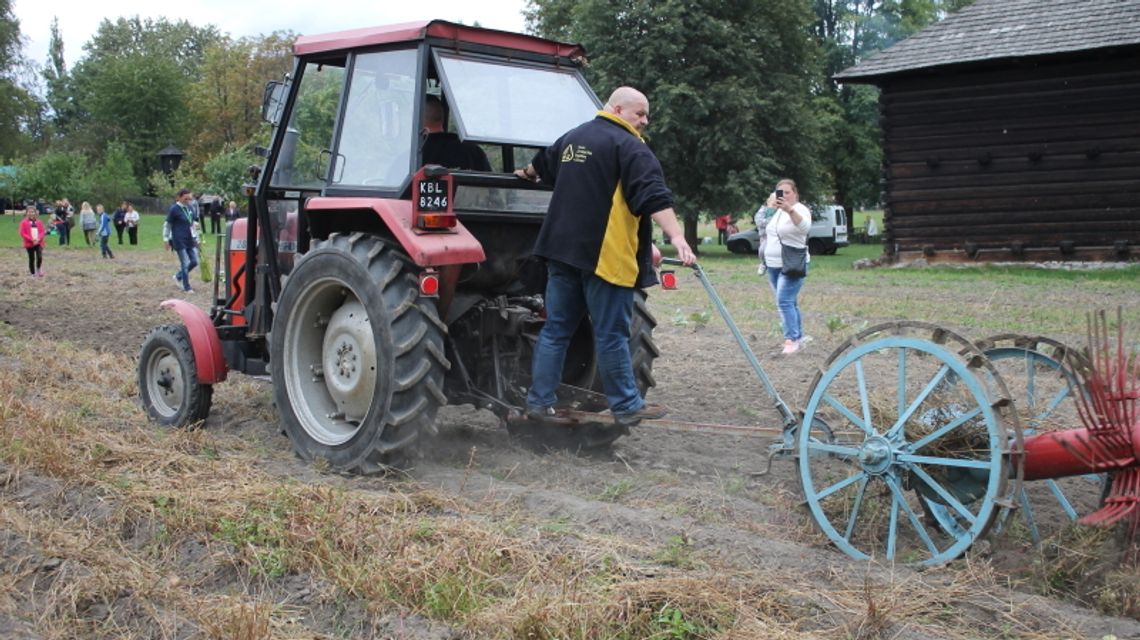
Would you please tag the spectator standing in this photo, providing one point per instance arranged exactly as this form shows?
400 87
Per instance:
597 247
88 222
131 219
789 225
120 220
33 233
179 232
232 212
104 232
216 215
722 222
62 223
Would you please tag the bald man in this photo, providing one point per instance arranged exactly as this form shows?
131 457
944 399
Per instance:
597 243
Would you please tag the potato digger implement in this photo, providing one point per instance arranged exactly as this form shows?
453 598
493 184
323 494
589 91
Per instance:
373 285
915 442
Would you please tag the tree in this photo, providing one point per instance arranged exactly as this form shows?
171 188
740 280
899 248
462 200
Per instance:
130 88
848 31
227 172
136 102
729 84
52 176
60 99
19 110
112 179
225 103
181 42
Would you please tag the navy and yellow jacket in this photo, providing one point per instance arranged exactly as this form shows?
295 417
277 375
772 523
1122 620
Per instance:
607 184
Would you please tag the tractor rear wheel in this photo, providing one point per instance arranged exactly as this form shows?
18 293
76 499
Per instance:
357 354
642 349
168 378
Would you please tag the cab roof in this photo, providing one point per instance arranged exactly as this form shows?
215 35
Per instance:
415 31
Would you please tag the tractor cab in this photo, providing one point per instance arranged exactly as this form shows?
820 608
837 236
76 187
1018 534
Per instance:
352 118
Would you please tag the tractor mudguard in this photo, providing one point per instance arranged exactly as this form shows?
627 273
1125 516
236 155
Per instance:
432 249
208 358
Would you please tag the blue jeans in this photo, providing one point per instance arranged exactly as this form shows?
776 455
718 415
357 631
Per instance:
571 293
187 260
103 248
787 291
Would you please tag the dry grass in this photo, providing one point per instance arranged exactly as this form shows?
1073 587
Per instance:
111 528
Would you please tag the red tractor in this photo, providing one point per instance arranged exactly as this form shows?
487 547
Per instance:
372 284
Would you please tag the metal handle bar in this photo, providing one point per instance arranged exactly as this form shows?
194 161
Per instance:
778 402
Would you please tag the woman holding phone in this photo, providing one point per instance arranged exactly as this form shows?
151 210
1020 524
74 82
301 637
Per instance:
789 225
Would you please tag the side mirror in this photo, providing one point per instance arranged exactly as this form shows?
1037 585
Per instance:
273 103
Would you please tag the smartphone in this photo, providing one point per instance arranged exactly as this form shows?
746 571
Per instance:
779 193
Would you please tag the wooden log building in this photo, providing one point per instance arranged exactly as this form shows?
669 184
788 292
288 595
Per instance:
1011 131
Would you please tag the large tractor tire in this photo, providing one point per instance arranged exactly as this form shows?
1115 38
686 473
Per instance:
168 378
357 355
642 349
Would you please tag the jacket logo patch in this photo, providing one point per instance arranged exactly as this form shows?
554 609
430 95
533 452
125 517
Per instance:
575 154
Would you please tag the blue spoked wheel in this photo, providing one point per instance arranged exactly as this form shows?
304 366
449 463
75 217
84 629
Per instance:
1043 377
918 465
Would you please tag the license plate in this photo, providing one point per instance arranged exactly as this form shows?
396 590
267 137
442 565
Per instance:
433 195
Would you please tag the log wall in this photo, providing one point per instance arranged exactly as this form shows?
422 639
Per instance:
1034 161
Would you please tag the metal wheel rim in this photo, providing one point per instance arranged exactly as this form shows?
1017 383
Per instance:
884 457
329 399
1041 410
165 384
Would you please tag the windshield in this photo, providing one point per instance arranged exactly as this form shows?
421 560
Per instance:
497 102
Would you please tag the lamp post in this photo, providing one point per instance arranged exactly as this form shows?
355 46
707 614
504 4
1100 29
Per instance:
169 159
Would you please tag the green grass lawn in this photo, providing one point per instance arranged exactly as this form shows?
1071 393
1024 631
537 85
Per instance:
978 299
150 233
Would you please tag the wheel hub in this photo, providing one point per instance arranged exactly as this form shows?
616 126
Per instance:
876 455
167 381
350 360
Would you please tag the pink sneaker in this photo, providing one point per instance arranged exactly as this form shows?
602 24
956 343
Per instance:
791 346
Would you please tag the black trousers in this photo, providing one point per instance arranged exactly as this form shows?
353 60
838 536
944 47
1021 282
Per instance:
35 258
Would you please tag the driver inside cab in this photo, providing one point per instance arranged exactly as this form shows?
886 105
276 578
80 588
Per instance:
445 148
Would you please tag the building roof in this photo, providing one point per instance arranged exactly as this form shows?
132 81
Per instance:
996 29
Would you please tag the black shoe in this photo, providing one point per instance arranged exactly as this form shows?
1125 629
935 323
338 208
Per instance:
549 415
646 412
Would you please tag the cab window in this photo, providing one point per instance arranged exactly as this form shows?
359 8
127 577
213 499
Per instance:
377 132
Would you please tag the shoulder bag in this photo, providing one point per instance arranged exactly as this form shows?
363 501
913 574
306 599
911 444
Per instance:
793 259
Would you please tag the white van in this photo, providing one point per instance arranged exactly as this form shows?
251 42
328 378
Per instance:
828 232
828 229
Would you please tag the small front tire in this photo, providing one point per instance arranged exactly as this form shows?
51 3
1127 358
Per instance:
168 378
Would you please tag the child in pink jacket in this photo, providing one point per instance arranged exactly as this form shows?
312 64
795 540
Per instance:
33 233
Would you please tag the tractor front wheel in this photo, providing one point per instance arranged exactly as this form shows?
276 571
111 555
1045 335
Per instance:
168 378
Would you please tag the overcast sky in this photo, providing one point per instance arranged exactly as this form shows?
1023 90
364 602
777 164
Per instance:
79 19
